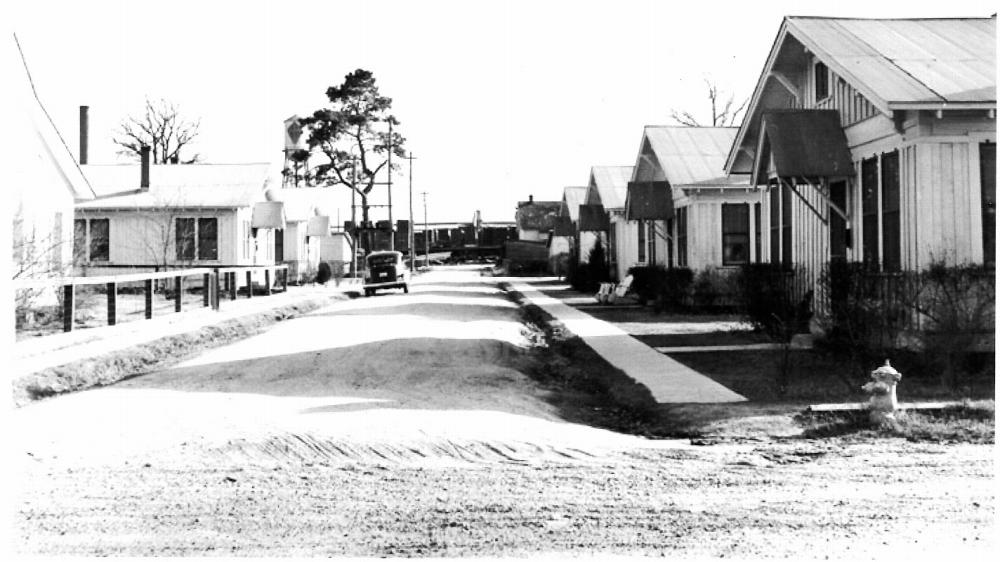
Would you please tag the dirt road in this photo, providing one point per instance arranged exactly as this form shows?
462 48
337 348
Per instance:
410 425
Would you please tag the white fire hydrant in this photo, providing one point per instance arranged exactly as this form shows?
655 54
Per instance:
882 404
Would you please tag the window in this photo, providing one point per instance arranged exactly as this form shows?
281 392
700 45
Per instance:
890 212
197 237
642 242
79 240
682 237
99 239
185 241
988 177
735 234
756 224
822 81
869 212
786 226
774 198
208 238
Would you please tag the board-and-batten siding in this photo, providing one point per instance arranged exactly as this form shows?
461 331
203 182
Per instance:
626 243
947 220
847 101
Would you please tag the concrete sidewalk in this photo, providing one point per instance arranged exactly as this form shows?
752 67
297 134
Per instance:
37 354
668 380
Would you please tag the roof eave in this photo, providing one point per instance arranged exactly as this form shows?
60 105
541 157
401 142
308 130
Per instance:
944 105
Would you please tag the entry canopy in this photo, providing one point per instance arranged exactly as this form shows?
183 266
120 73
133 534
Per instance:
564 227
268 214
805 143
593 218
649 200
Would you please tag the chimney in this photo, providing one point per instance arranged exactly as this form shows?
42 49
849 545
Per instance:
531 199
84 132
144 179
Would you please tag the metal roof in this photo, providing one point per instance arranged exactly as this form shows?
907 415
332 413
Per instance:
690 155
803 143
611 183
907 60
177 185
537 215
573 197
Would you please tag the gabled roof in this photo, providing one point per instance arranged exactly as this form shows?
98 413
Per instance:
689 155
611 182
573 197
39 142
904 61
893 63
177 185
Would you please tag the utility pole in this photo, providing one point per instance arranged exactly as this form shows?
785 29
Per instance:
427 234
354 218
392 227
409 238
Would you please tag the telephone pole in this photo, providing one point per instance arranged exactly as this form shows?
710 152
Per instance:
392 227
427 234
409 237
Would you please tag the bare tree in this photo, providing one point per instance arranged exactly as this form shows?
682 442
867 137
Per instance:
724 114
162 128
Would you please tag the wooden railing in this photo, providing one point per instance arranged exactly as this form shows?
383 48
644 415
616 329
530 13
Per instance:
213 283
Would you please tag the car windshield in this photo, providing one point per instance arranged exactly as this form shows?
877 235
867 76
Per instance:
384 259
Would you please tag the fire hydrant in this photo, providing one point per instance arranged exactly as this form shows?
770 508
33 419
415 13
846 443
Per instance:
882 404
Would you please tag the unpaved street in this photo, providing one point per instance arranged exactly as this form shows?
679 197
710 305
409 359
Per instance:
411 425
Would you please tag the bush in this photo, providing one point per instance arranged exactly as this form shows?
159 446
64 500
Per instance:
714 289
587 277
765 298
667 289
323 273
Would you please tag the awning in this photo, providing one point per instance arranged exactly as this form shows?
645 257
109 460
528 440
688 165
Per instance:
318 226
804 143
268 214
564 227
593 218
649 200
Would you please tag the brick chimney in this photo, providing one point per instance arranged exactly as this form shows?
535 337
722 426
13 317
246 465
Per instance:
144 178
84 132
531 199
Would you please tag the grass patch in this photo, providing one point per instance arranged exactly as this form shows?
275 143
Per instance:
816 377
973 422
137 360
582 385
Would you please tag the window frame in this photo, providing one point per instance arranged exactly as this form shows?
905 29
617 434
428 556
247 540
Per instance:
817 65
734 234
93 242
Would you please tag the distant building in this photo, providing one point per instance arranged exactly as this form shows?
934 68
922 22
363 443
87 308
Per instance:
607 187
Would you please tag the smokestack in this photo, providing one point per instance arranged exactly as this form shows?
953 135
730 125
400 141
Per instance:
144 179
84 132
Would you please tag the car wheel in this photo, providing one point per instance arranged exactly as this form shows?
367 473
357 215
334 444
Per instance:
368 292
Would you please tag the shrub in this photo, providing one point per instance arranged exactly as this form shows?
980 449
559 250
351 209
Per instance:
667 289
767 302
323 273
646 281
587 277
714 289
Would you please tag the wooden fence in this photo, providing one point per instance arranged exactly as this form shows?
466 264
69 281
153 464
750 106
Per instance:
213 282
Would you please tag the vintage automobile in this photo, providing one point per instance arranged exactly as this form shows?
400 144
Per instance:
386 270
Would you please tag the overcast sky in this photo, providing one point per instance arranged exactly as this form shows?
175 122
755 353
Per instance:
497 100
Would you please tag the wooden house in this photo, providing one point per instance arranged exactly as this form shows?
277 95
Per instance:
307 231
46 181
874 140
564 239
607 187
689 213
166 216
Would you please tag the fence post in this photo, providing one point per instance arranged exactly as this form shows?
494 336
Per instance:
69 308
284 280
215 289
249 284
112 304
267 282
232 284
206 296
178 292
149 298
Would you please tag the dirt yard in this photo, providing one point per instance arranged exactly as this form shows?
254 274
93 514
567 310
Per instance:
416 425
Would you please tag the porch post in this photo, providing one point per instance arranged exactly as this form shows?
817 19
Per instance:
267 282
249 284
206 296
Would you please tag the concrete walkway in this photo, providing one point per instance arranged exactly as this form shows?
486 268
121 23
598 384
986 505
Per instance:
668 380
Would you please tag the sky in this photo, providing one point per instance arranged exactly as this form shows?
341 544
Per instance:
497 100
